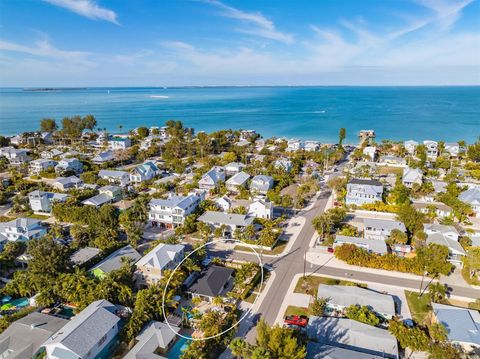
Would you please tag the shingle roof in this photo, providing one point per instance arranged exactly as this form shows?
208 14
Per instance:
83 255
369 182
161 255
463 325
212 282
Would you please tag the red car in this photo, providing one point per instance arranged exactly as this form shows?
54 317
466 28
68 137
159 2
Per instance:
330 250
299 320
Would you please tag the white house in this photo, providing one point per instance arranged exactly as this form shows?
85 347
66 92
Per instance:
261 184
151 267
452 148
361 191
432 149
121 178
230 221
211 179
14 156
410 146
104 156
441 209
118 143
172 211
41 201
380 229
412 176
446 236
295 145
69 165
237 181
144 172
261 209
87 335
448 231
21 230
285 165
370 245
234 168
472 197
50 154
224 203
370 152
312 146
42 164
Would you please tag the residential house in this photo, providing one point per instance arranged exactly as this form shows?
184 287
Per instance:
432 149
84 255
67 183
69 165
242 143
462 325
312 146
51 154
380 229
14 156
237 181
325 351
114 261
144 172
472 197
247 134
234 168
455 250
90 334
119 143
361 191
24 337
261 184
120 178
150 267
392 161
410 146
103 157
342 296
448 231
22 230
370 245
412 176
224 203
107 194
261 209
171 212
229 221
354 336
370 152
452 148
212 178
154 341
41 201
216 281
441 210
37 166
283 164
295 145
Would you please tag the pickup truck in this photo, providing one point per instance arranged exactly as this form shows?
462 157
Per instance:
298 320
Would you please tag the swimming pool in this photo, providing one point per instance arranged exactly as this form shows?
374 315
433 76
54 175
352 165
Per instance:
180 346
20 303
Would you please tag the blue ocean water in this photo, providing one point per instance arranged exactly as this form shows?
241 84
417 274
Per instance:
438 113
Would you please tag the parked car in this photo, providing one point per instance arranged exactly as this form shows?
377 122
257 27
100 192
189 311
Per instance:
299 320
330 250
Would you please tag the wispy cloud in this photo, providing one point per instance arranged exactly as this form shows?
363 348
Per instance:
87 8
262 26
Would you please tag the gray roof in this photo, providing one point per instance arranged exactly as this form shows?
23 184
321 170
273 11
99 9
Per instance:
97 200
353 335
368 182
84 331
261 183
175 201
235 219
386 224
325 351
155 335
111 173
114 260
372 245
25 336
441 228
212 282
238 179
463 325
161 255
439 238
66 180
347 295
83 255
470 196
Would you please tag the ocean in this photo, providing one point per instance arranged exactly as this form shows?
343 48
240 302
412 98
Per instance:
316 113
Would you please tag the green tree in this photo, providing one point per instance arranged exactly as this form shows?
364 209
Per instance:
362 314
89 122
413 338
397 236
437 292
318 306
323 224
142 132
341 136
48 125
412 218
472 261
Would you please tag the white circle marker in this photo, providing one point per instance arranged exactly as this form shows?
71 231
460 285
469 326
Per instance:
241 318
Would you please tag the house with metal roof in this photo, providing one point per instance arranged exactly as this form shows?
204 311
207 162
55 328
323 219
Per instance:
144 172
370 245
154 341
172 211
233 168
352 335
231 221
440 209
380 229
41 201
462 325
343 296
151 266
237 181
24 337
412 176
69 165
120 178
211 179
107 194
21 230
90 334
103 157
261 184
472 197
215 281
42 164
114 261
410 146
261 209
362 191
283 164
325 351
119 143
455 249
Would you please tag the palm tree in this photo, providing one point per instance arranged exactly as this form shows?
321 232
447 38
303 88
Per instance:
239 348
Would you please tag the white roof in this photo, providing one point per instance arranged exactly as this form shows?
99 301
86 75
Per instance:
238 179
160 256
471 196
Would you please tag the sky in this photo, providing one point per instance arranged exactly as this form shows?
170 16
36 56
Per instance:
75 43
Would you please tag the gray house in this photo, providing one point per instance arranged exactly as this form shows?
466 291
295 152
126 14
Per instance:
361 191
380 229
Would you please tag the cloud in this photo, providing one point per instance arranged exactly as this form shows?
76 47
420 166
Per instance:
263 27
87 8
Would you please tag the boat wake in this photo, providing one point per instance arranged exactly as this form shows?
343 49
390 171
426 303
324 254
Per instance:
159 96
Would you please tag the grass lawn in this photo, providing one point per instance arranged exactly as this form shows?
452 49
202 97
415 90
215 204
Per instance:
419 307
279 247
312 282
466 276
38 216
385 170
293 310
251 298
